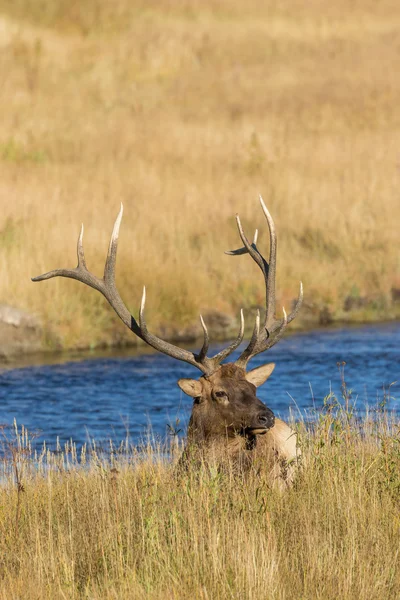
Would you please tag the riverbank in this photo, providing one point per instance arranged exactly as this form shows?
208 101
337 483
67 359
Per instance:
126 526
24 340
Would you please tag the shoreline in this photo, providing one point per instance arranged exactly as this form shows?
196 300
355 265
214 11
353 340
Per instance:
49 356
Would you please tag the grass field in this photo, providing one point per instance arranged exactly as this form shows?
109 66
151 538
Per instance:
130 527
185 111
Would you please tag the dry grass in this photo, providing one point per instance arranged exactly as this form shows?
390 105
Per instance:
185 112
130 527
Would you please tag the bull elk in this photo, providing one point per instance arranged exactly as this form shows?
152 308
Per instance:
227 417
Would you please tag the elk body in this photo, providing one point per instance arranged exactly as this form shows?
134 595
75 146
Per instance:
228 421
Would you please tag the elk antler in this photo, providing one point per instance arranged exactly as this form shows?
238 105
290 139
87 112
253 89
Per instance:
107 287
272 328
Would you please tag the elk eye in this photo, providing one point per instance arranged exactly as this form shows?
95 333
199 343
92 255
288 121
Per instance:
221 395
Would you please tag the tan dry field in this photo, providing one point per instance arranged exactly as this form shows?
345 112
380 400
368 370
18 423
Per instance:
185 112
132 528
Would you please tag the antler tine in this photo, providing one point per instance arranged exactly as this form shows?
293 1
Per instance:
204 349
271 271
244 250
80 252
105 286
80 273
109 269
278 333
251 248
245 356
218 358
254 253
273 328
297 306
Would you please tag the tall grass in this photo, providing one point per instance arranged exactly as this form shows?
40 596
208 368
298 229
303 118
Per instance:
129 525
185 112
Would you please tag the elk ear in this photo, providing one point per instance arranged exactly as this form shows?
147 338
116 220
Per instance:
259 375
191 387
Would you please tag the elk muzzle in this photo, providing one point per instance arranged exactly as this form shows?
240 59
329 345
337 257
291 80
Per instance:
261 423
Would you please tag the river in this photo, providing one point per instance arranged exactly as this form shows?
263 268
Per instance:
111 395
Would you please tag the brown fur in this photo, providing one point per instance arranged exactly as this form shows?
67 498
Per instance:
227 371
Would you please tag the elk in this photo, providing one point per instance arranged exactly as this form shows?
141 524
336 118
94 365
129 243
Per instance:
227 420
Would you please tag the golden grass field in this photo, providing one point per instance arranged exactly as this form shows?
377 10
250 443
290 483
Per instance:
185 111
131 527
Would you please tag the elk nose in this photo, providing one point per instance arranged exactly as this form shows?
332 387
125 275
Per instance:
267 419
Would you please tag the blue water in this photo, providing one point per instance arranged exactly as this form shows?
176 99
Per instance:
129 394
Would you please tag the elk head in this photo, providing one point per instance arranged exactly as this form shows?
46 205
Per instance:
225 402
